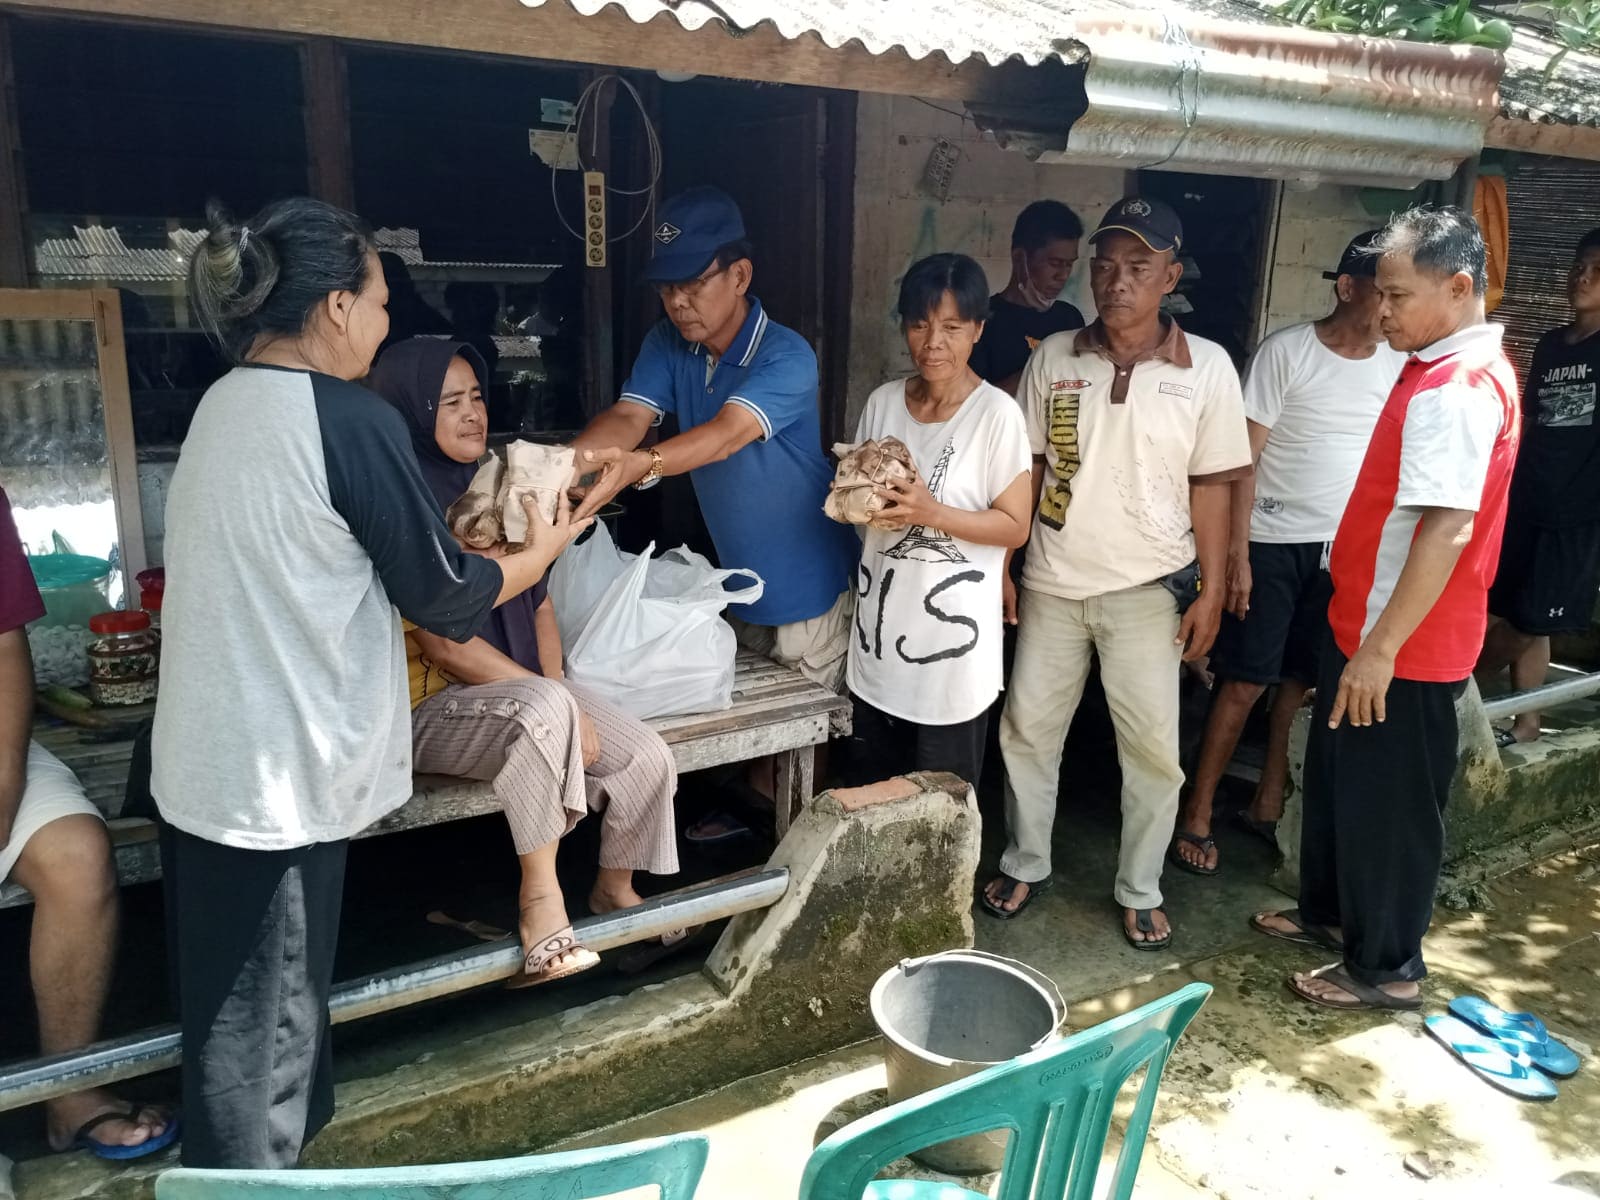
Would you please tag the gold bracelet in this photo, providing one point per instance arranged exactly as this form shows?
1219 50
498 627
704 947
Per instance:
653 475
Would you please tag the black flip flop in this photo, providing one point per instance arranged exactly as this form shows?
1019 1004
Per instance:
732 827
1035 888
1308 935
1267 831
1205 844
1366 996
1144 922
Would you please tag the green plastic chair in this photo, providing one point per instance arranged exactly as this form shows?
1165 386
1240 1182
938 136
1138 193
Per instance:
1056 1101
673 1163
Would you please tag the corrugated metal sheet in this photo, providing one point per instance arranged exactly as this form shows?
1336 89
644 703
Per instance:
1568 96
99 253
1208 85
994 30
1035 30
1281 102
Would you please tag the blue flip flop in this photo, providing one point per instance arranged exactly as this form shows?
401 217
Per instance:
110 1150
1545 1052
1499 1064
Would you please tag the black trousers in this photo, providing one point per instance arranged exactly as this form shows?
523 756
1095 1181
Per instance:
254 935
1373 833
881 746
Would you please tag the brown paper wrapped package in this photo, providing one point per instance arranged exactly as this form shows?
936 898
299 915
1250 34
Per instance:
475 517
853 496
544 472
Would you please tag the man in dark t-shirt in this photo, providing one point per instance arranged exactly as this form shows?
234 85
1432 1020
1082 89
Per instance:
1549 570
1044 249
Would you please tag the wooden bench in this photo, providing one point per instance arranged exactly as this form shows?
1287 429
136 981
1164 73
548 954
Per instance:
776 712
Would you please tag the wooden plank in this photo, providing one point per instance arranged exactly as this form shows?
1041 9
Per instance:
789 717
117 403
556 32
13 190
330 166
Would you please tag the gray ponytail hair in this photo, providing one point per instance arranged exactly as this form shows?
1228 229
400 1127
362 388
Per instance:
267 275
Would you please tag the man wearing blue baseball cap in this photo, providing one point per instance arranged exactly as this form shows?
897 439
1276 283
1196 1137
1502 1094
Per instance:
744 391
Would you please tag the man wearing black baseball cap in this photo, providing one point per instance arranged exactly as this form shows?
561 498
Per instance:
1137 430
1312 395
744 392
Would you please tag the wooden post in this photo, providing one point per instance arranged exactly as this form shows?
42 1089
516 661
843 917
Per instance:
330 168
599 327
13 191
838 267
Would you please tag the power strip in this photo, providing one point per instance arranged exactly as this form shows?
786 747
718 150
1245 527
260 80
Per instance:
594 218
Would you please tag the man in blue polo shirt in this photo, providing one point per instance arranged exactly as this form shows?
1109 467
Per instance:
744 391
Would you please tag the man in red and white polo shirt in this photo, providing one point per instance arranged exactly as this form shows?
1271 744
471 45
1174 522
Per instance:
1411 565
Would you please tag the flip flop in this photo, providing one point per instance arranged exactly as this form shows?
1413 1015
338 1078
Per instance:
732 827
536 967
1309 935
1366 996
1144 922
110 1150
1501 1064
1036 887
1504 739
644 955
1205 844
1267 831
1523 1029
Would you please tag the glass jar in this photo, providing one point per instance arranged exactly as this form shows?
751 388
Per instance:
124 653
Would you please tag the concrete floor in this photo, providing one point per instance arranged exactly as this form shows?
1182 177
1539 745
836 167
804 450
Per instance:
1266 1097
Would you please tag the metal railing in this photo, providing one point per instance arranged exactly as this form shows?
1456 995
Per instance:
1538 699
35 1080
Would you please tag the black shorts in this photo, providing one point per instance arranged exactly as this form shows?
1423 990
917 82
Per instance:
1282 635
1548 578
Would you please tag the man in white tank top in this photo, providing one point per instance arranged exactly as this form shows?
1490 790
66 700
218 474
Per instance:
1311 397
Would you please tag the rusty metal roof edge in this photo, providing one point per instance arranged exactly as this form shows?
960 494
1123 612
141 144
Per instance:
1271 101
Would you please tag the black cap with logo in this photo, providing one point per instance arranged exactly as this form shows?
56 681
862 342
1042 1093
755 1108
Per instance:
1151 221
1358 258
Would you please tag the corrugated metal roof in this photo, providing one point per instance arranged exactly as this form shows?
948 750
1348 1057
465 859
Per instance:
1035 30
1568 96
1283 102
994 30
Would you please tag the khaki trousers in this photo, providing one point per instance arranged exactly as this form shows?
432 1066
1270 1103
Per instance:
1133 633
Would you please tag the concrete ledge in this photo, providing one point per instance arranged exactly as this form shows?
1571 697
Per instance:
873 879
1507 807
876 875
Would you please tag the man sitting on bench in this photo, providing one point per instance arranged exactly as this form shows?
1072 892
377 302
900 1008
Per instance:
53 842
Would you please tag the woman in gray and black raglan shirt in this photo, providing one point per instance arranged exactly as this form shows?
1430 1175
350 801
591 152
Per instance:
297 524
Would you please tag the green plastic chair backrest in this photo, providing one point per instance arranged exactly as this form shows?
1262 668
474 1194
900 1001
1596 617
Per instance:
673 1163
1056 1101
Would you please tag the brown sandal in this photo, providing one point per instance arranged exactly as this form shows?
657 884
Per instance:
536 968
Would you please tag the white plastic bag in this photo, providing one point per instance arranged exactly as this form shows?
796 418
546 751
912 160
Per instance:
647 633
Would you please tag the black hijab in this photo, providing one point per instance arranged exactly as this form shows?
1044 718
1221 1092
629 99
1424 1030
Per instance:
410 376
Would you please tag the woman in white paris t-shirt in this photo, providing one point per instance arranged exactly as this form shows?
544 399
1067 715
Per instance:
925 648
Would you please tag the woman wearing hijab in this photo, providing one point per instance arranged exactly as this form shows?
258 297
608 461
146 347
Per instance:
296 525
497 707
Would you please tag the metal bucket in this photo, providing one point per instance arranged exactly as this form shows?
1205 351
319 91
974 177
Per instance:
950 1015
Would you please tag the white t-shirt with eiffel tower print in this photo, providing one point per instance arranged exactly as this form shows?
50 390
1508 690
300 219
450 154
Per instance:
925 646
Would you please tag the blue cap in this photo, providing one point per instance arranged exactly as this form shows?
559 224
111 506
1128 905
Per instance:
690 229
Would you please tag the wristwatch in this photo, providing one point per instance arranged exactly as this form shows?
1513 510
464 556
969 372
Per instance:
653 475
